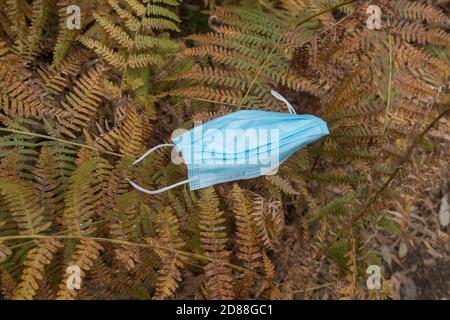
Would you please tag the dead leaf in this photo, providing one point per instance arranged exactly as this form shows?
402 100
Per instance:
386 254
444 211
402 249
403 287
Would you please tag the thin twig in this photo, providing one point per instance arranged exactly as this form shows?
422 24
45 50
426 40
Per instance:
362 212
216 102
389 92
126 243
405 158
321 286
37 135
56 234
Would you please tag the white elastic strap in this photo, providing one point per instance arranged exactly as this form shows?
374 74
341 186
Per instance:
283 99
151 150
138 187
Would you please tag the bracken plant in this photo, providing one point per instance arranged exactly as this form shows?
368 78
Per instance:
77 106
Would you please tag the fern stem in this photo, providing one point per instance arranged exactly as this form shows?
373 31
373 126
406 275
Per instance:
258 72
389 92
56 234
37 135
126 243
321 286
216 102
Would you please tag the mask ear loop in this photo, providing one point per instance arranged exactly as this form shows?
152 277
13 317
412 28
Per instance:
283 99
138 187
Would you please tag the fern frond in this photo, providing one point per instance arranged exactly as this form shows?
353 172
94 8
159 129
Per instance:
246 233
169 235
413 87
24 206
416 32
138 8
269 220
115 32
143 42
210 95
159 24
240 49
352 90
207 116
419 10
338 206
173 3
213 238
35 262
224 78
359 40
123 222
163 12
113 58
83 101
86 252
134 132
16 11
408 55
80 199
7 283
19 95
143 60
48 183
57 79
65 36
281 183
138 46
39 19
4 252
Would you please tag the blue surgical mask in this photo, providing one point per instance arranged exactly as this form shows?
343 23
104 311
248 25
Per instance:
241 145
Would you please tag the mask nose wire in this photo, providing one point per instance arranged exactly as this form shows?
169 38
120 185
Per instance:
283 99
153 192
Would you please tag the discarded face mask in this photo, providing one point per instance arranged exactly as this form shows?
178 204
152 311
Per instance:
241 145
